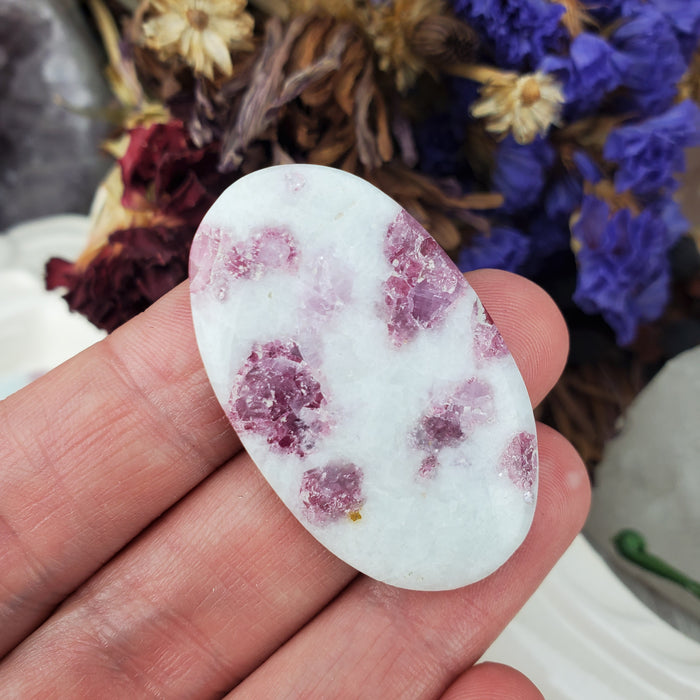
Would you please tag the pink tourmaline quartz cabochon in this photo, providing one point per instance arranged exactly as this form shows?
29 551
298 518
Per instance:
364 377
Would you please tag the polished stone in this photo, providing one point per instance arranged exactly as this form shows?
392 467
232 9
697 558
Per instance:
364 377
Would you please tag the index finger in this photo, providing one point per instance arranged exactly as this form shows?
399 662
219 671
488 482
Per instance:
94 451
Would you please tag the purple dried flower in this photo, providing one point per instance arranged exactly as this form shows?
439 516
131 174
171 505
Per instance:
503 248
623 267
648 59
517 33
521 171
588 73
650 153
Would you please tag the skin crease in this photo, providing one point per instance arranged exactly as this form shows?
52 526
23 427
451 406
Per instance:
143 555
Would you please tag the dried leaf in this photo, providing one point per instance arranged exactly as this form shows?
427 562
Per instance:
259 106
366 143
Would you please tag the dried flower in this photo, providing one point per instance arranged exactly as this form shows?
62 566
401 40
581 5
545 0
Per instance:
525 105
162 168
143 218
588 74
650 153
503 247
520 172
648 59
624 273
201 32
444 40
392 28
516 33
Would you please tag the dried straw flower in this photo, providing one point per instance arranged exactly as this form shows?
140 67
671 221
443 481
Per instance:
392 27
525 105
444 40
201 32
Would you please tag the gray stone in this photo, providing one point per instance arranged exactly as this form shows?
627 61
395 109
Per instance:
649 480
49 155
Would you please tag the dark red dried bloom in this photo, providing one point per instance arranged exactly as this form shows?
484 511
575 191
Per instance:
134 269
169 184
163 168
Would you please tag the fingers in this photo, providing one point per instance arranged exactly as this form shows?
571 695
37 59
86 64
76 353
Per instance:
216 585
531 325
490 681
401 643
195 604
94 451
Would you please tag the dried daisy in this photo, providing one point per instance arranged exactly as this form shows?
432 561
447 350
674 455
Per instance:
525 105
201 32
392 27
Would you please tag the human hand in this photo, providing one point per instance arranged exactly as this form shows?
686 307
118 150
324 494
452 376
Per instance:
143 555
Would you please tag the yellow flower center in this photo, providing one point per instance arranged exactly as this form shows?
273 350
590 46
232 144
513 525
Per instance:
530 92
198 19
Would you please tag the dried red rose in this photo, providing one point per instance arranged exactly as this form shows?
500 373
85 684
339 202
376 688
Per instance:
164 169
135 268
140 245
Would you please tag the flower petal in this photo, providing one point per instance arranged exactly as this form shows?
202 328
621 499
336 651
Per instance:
164 31
234 30
217 51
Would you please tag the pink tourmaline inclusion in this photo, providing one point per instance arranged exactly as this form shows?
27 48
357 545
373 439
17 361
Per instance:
205 247
424 283
215 260
276 396
265 249
449 422
519 461
488 341
331 493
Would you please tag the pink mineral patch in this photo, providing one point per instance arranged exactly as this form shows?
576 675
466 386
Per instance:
330 288
448 422
277 397
332 492
205 248
424 282
488 341
428 467
215 260
266 249
519 461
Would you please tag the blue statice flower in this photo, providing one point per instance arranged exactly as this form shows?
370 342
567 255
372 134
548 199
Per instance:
648 59
548 229
517 33
683 16
503 248
623 268
649 153
587 73
520 172
563 196
587 166
669 212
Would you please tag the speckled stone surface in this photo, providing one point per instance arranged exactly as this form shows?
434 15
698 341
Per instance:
364 377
